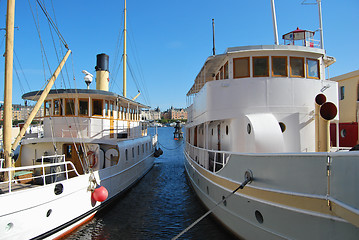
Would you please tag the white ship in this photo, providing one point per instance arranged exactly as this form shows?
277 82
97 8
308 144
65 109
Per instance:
261 114
94 147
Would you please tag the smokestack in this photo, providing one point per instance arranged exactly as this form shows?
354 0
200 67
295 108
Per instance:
102 72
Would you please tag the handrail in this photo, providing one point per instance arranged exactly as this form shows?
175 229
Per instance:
42 167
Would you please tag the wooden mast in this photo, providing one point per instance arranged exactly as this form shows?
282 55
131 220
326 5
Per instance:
9 56
124 53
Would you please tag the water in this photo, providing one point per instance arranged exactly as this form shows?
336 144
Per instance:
160 206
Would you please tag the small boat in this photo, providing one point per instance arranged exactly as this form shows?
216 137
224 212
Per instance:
94 146
259 119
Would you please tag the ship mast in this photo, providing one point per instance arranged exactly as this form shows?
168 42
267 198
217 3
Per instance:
9 56
124 52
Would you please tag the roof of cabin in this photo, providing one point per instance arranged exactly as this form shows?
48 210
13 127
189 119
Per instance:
34 96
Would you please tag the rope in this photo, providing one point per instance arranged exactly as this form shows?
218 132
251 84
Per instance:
171 149
248 179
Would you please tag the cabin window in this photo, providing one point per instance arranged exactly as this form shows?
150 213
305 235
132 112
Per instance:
143 148
341 93
133 152
111 109
225 70
69 106
260 67
221 73
217 76
126 154
241 67
107 108
227 130
97 107
68 149
138 150
47 108
296 67
84 107
279 67
57 107
312 68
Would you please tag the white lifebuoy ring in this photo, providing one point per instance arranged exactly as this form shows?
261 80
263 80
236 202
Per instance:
92 158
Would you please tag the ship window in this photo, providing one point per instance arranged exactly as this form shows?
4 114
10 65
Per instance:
296 67
138 150
240 67
217 76
126 154
221 73
97 107
227 131
341 93
70 106
143 148
111 108
57 107
225 70
312 68
47 108
84 107
133 152
260 67
279 67
68 150
107 109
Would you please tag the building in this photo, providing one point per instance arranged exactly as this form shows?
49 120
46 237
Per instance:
20 112
149 114
175 113
348 86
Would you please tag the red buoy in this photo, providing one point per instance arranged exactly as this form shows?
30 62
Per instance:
100 194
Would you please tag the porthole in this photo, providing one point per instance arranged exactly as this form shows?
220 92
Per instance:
259 216
225 201
282 126
9 226
343 133
249 128
48 213
227 130
59 188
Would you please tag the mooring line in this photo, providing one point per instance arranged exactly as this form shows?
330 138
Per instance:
249 178
171 149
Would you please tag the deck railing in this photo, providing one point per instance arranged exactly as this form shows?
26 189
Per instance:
212 160
51 169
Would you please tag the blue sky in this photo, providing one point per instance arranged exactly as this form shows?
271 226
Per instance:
168 40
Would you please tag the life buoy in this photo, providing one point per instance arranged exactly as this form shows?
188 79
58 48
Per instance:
92 158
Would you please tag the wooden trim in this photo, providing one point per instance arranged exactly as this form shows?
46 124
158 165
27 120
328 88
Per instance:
234 71
290 67
307 67
260 57
286 66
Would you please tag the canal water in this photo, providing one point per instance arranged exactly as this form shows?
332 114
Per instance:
160 206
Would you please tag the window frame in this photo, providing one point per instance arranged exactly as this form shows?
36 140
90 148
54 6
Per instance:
47 109
234 67
290 67
59 100
286 66
253 65
93 106
74 110
307 66
79 106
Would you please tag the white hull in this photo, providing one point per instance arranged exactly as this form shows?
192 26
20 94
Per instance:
28 219
301 213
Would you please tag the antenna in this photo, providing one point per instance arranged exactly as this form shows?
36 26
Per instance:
274 18
319 3
214 45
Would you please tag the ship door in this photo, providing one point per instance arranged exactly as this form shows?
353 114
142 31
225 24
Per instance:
70 155
219 136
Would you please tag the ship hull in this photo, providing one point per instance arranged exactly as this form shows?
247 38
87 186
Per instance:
259 212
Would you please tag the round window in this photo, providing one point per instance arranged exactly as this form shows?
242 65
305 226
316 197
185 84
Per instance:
343 133
249 128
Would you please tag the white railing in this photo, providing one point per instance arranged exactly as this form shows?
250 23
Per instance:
52 169
211 160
